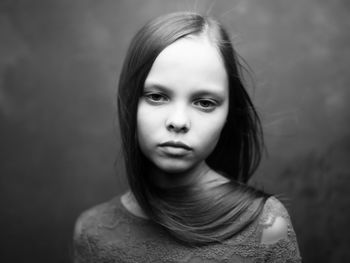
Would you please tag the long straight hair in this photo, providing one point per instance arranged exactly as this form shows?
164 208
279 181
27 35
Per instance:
193 216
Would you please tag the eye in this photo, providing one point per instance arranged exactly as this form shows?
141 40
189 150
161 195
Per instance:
206 104
155 98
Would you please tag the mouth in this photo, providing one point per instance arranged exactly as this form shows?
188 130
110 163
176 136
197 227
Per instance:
176 144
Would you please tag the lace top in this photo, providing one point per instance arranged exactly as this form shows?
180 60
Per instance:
110 233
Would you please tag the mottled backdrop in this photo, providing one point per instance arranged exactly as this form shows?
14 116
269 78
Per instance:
59 146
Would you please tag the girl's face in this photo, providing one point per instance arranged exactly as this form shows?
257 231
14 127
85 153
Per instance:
184 105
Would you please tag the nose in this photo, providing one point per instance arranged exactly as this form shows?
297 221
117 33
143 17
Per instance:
178 121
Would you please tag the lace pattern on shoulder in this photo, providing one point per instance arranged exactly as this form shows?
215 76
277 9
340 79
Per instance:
273 208
285 248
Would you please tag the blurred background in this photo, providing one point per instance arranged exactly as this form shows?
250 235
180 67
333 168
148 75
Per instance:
59 138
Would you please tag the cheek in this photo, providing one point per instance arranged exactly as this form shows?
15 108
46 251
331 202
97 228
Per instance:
214 133
214 124
209 131
148 123
142 122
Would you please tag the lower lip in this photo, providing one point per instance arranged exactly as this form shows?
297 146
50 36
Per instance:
175 151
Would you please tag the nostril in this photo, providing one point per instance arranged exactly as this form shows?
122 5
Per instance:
177 128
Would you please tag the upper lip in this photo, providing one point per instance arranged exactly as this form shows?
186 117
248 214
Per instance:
176 144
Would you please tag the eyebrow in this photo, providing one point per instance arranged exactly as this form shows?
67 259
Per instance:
197 93
158 87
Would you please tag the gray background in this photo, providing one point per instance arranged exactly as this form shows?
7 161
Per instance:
59 144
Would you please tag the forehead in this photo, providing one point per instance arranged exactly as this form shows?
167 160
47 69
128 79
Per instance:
189 63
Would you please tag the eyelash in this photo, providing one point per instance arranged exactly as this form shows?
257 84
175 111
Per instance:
151 98
212 104
158 99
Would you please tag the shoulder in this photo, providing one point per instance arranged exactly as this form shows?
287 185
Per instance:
275 221
277 233
89 235
89 220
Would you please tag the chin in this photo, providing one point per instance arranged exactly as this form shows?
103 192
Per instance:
174 166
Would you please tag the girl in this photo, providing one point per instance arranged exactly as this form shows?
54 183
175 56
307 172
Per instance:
191 140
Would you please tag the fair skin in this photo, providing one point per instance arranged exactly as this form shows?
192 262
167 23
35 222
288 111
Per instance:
185 101
181 113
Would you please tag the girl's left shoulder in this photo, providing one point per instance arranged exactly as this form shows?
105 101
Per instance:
275 222
277 235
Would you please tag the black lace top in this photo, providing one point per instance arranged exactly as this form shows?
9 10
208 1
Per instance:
110 233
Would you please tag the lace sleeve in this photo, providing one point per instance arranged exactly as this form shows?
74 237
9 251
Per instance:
81 244
278 236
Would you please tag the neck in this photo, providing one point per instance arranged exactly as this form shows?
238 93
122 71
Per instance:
202 174
169 180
